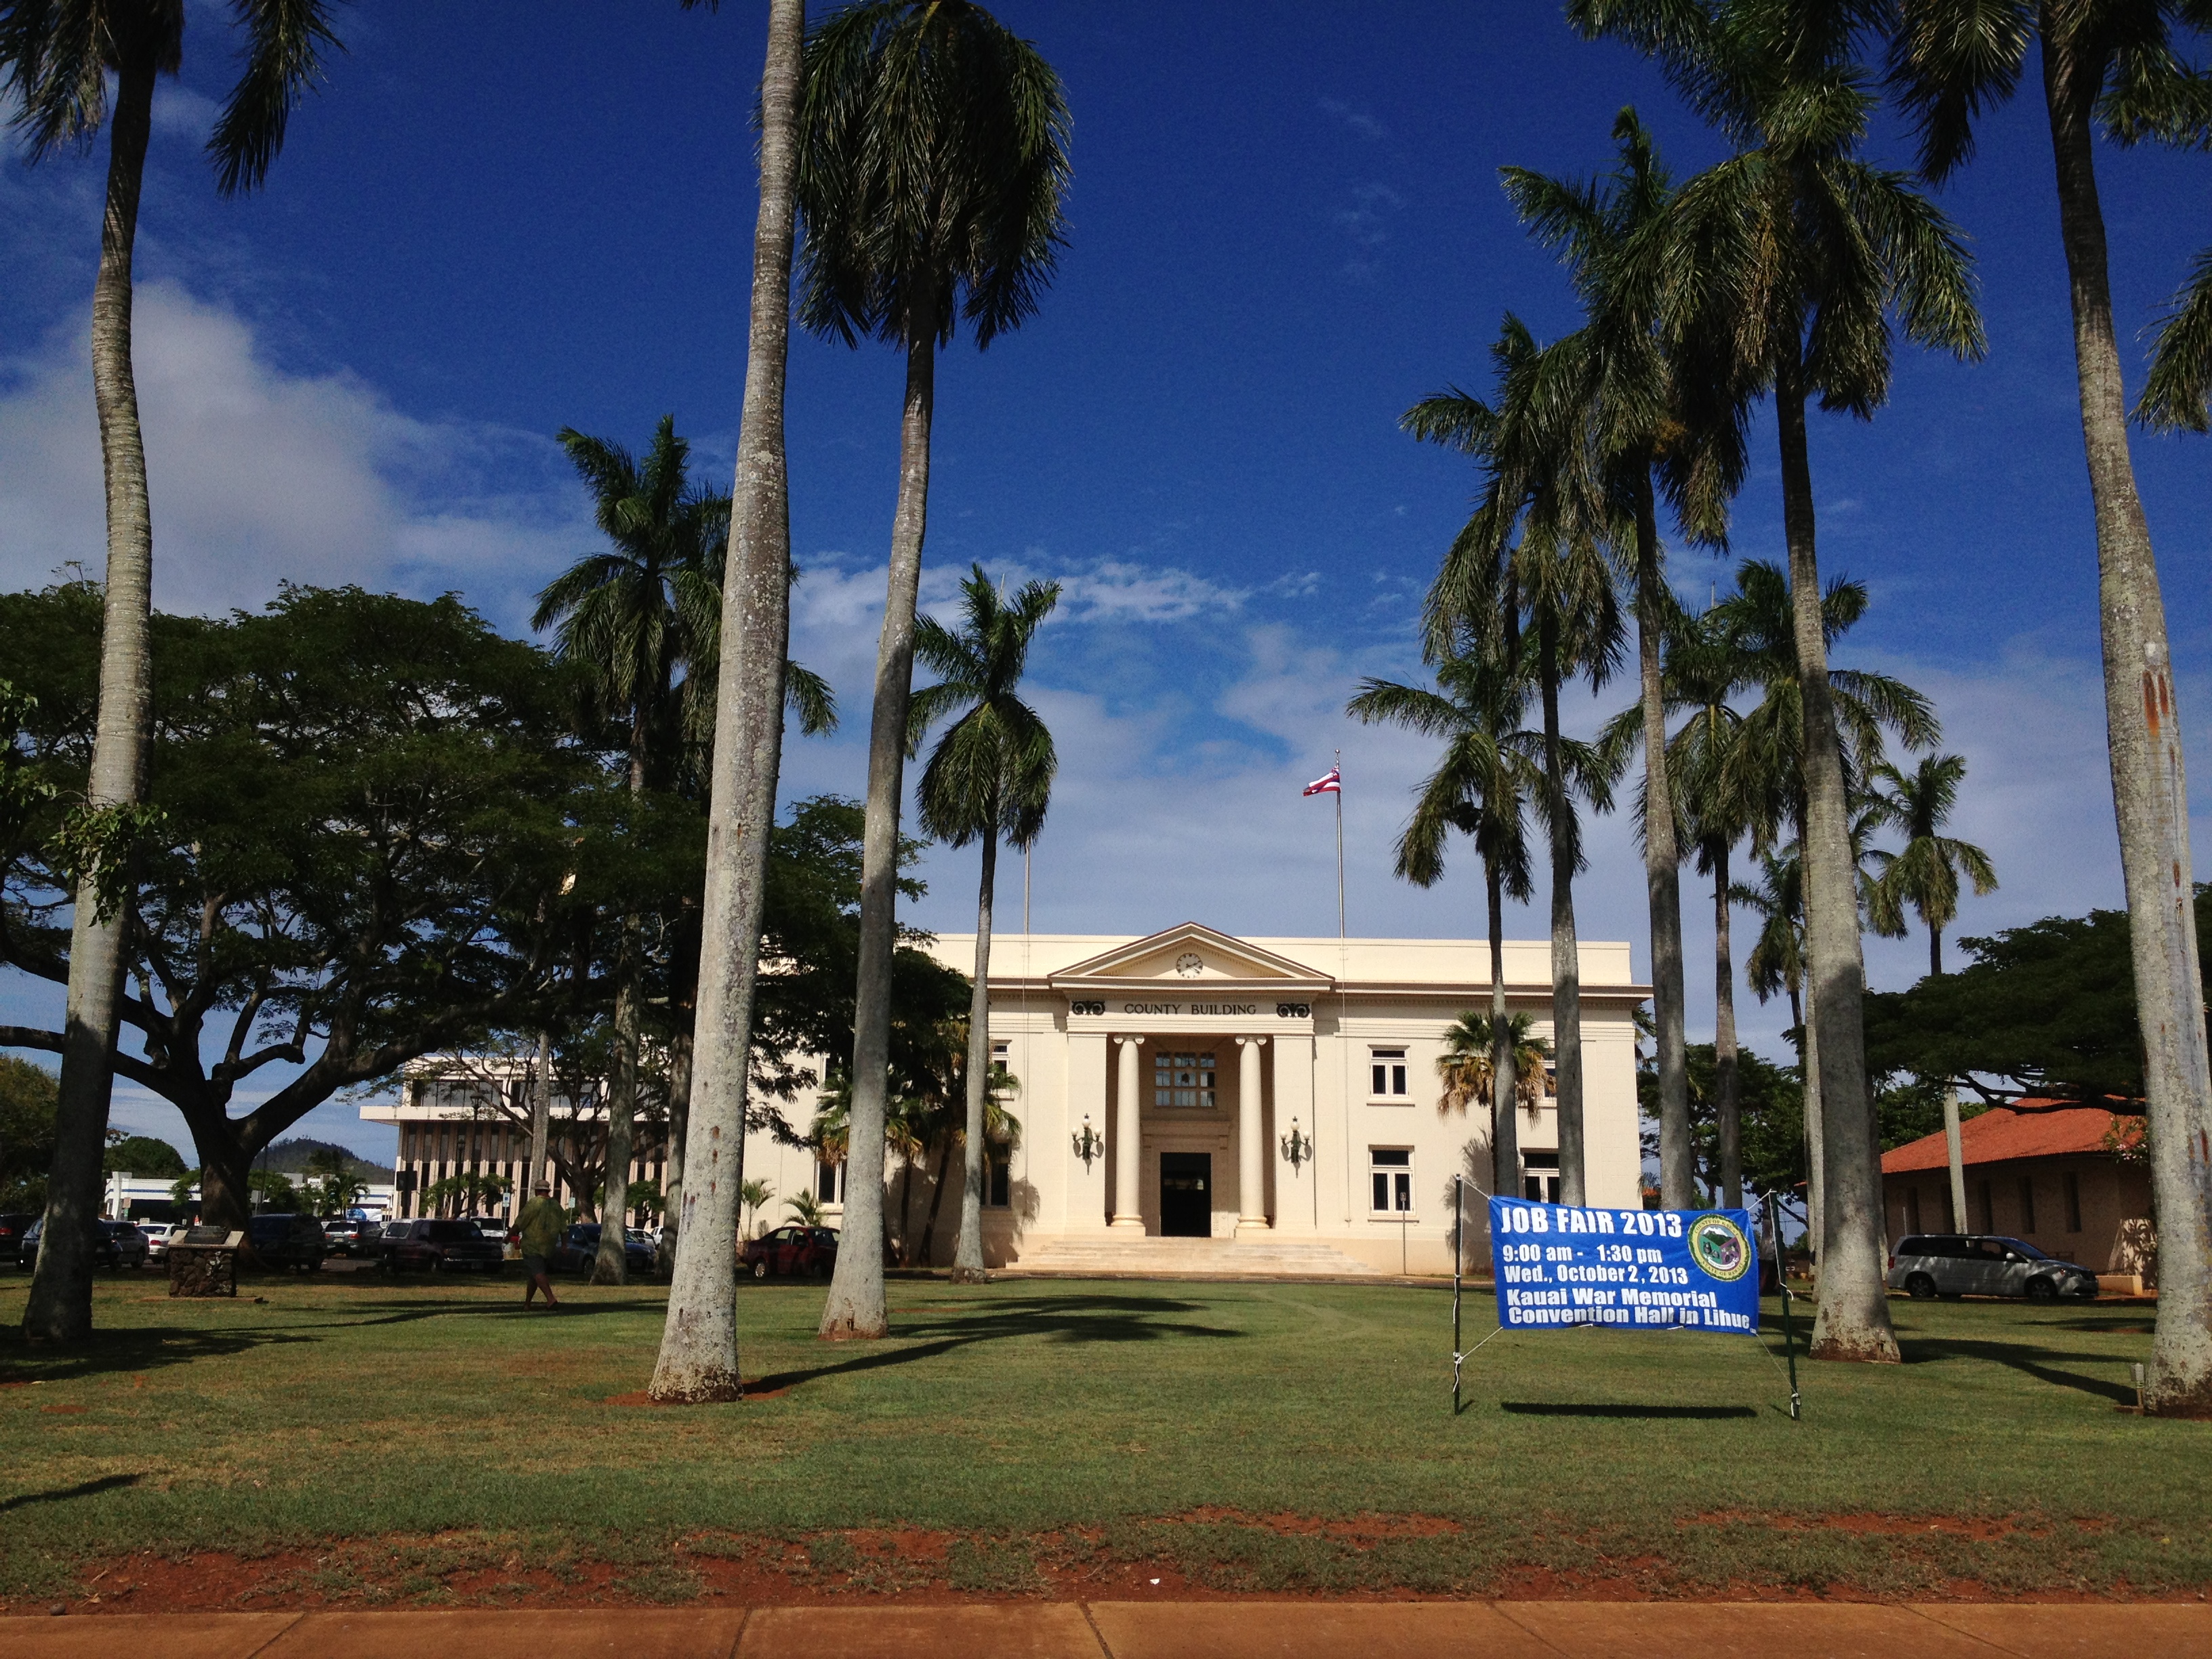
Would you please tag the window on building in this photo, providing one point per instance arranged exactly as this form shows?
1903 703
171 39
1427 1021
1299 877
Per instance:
1551 1083
1989 1197
2028 1204
826 1177
999 1183
1540 1177
1182 1082
1912 1209
2072 1184
1387 1069
1392 1169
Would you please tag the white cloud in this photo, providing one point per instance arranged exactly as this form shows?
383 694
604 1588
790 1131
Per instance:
258 476
1354 120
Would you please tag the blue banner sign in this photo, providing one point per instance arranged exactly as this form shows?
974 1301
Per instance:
1639 1270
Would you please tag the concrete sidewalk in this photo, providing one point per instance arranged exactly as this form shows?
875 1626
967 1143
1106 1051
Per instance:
1161 1629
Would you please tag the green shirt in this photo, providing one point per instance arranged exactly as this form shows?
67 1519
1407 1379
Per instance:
541 1224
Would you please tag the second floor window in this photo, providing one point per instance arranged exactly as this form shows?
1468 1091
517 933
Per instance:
1387 1072
1182 1082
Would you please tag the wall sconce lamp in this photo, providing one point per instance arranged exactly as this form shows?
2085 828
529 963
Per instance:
1088 1143
1297 1146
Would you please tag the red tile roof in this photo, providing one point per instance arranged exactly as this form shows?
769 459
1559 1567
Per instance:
2026 1128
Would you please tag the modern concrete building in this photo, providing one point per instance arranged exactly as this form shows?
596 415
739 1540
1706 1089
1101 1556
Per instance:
1275 1097
2051 1172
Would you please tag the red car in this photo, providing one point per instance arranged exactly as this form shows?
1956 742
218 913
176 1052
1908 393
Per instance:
811 1251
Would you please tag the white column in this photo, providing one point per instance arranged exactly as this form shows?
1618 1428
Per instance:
1128 1146
1251 1141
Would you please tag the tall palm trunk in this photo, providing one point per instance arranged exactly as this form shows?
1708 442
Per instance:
1566 963
59 1308
855 1305
2150 793
1506 1135
1728 1107
1853 1320
698 1359
541 1113
968 1256
680 1120
611 1266
1662 867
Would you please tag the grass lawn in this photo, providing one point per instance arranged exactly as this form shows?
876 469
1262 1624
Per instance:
366 1440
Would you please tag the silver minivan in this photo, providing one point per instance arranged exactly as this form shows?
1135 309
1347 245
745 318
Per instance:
1958 1264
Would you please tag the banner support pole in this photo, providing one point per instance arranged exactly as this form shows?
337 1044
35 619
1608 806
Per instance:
1459 1232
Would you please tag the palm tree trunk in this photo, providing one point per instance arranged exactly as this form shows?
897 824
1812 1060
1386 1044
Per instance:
2150 793
1728 1108
698 1357
1853 1319
608 1267
1505 1141
1661 865
541 1111
59 1308
1935 951
1566 963
680 1120
967 1257
855 1306
1816 1162
936 1199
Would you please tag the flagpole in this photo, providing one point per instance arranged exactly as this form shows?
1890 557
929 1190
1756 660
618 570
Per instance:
1339 792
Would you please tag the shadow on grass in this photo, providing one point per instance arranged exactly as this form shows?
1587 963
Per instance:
139 1348
83 1489
1082 1319
1689 1414
2020 1358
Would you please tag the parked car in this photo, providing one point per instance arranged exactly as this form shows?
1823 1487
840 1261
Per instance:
431 1246
811 1251
106 1251
1956 1264
580 1247
354 1238
14 1223
288 1241
132 1249
158 1234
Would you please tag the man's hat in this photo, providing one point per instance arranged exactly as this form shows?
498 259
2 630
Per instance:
542 1187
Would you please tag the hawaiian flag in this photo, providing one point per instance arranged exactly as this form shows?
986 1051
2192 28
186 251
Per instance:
1327 784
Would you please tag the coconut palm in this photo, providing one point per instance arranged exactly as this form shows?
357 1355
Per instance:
805 1209
55 56
751 1194
629 616
990 774
1533 559
698 1359
1925 874
1480 788
2113 63
1644 427
931 170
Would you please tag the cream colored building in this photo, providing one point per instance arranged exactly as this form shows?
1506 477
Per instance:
1277 1097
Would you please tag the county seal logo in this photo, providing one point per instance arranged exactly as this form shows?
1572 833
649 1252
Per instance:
1720 1249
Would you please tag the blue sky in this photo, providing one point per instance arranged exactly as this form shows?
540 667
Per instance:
498 220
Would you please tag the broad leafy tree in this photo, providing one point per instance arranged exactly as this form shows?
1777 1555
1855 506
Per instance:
989 775
1481 787
360 802
55 60
933 163
2116 67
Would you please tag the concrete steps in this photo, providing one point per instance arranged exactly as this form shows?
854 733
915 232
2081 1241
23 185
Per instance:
1193 1258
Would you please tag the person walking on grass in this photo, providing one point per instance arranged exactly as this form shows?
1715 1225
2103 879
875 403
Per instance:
540 1224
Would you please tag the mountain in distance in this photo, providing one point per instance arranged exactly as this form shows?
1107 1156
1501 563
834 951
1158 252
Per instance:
290 1158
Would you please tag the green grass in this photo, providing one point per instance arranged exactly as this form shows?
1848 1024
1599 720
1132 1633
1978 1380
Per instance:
1055 1429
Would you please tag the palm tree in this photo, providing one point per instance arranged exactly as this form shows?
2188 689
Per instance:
1479 788
55 59
698 1359
751 1194
629 616
805 1209
932 169
990 774
1643 425
1925 875
1467 1067
2111 62
1541 482
1795 253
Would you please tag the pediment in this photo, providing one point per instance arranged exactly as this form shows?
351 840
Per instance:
1189 954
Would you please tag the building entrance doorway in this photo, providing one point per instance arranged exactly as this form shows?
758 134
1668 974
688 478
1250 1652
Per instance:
1187 1195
